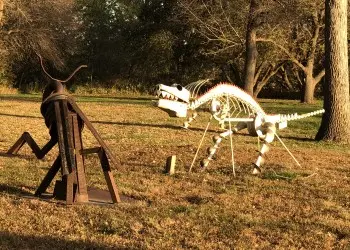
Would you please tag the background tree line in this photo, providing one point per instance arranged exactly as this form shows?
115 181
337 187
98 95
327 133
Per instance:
264 46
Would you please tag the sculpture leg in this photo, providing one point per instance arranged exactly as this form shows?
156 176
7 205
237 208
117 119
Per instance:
266 132
27 138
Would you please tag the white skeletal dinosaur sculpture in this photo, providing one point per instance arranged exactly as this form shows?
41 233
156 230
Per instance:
227 103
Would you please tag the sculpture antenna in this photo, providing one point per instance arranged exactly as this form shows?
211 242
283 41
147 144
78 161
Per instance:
61 81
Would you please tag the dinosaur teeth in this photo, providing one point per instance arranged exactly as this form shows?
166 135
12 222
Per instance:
166 95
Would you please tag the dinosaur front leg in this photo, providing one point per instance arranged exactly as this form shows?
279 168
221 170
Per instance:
266 132
190 119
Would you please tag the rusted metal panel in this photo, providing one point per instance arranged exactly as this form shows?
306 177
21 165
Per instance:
49 177
109 177
82 195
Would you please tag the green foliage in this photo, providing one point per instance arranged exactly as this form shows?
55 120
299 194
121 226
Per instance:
272 175
153 41
102 39
144 41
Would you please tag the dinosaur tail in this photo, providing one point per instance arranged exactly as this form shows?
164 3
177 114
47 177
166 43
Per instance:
283 119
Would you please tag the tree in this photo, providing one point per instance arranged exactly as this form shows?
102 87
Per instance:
335 125
235 29
1 11
140 40
26 27
153 43
104 32
264 35
256 77
304 47
256 11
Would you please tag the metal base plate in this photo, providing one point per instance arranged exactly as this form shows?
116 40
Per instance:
96 197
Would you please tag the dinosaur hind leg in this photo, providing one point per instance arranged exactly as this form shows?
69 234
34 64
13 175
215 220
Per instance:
217 139
266 132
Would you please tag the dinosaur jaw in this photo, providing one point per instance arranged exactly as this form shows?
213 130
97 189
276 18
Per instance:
173 100
173 108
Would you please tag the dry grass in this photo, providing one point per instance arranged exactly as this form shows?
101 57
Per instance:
287 207
4 89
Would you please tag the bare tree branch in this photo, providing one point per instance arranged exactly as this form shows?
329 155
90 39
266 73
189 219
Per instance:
319 76
286 78
213 29
288 53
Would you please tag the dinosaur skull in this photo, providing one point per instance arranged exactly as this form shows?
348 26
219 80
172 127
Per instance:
173 99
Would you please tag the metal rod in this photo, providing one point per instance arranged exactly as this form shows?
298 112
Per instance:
290 153
231 143
200 143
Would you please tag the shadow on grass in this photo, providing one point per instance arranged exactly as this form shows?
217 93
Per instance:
123 100
82 98
23 116
25 157
167 126
117 97
114 123
137 124
16 241
19 97
4 188
298 138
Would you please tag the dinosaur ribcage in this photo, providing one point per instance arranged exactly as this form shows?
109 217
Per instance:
229 103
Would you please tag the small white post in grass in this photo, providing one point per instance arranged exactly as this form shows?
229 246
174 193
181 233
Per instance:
170 165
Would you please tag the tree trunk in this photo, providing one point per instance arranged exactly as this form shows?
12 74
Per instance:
335 124
251 51
236 73
309 89
250 62
1 12
258 89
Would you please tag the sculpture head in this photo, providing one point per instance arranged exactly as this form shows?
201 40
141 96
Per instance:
173 99
51 92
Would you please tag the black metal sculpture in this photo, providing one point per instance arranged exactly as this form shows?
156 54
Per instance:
65 122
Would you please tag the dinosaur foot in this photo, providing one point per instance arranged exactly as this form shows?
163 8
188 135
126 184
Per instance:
204 164
256 170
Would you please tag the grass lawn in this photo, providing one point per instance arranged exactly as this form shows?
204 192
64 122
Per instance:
286 207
